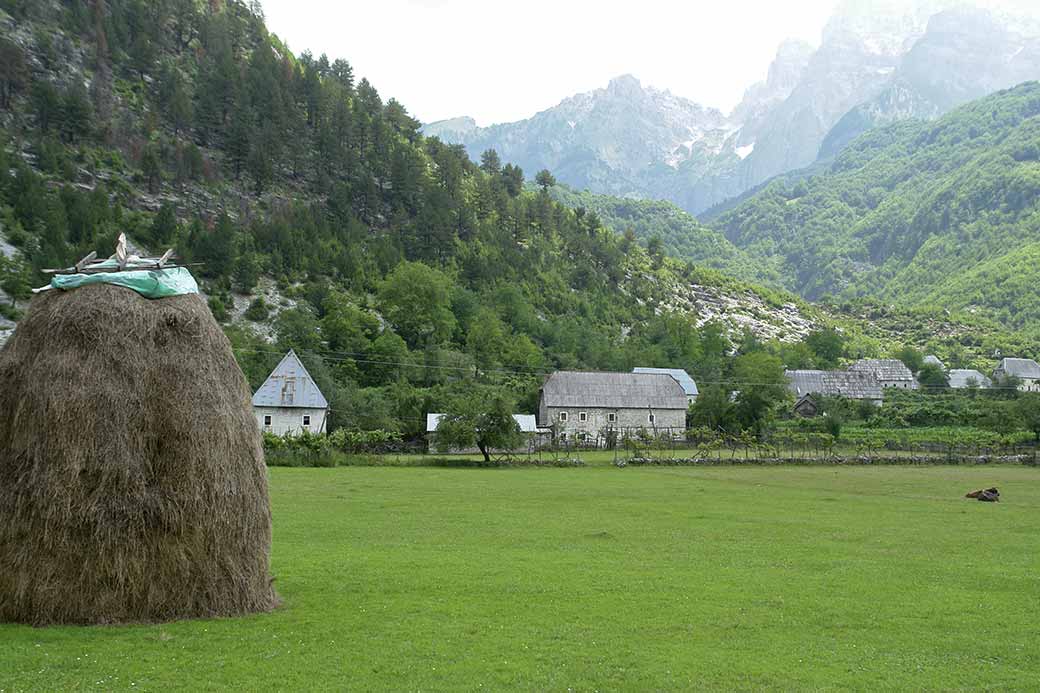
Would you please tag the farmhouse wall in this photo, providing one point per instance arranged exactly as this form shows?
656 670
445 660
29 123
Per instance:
290 419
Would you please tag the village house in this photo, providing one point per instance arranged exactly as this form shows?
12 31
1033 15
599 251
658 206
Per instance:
889 372
289 402
591 406
962 378
532 434
857 385
684 379
1026 371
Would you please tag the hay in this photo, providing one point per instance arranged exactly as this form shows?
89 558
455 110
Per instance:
132 482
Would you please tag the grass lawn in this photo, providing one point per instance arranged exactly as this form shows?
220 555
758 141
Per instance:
600 578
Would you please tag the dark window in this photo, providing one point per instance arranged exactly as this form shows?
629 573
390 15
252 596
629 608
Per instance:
306 420
611 417
650 418
582 416
267 420
563 416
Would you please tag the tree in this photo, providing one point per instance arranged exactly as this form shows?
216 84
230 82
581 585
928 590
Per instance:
151 167
76 113
828 346
545 180
14 281
763 387
1027 406
933 377
481 420
911 357
513 179
164 225
416 300
713 409
490 163
14 74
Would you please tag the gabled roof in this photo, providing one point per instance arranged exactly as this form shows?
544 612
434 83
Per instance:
884 369
526 422
848 384
934 360
1021 368
959 378
613 390
290 385
684 379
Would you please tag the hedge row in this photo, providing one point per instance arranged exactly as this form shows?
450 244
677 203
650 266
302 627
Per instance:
834 460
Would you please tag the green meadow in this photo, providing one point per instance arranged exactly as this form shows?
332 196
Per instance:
737 578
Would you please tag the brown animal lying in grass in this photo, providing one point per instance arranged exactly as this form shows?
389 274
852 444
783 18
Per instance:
988 495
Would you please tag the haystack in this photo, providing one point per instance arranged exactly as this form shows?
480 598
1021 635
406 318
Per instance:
132 480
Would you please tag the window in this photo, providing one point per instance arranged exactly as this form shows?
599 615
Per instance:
611 417
306 420
288 391
563 416
267 420
650 418
583 416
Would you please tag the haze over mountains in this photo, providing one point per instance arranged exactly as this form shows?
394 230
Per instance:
873 66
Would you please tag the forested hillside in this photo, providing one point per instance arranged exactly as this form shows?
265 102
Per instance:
658 225
940 214
323 221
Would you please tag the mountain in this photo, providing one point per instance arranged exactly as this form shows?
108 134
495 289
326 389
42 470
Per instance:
611 140
317 217
917 214
876 63
965 54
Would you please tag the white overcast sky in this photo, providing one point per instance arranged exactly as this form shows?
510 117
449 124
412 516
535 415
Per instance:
498 61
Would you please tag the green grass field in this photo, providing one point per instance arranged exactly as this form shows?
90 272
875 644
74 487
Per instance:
600 578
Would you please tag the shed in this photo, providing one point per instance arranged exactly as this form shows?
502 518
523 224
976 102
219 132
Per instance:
683 378
289 401
806 406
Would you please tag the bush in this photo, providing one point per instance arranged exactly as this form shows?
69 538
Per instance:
257 310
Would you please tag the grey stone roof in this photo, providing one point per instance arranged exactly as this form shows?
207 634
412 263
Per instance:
934 360
613 390
959 378
1021 368
526 422
290 385
688 385
884 369
849 384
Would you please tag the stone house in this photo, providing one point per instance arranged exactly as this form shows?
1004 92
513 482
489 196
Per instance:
889 372
858 385
289 402
591 406
1026 371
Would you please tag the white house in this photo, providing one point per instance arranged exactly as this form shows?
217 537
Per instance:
289 401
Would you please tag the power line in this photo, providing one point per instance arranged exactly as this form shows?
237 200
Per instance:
532 371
